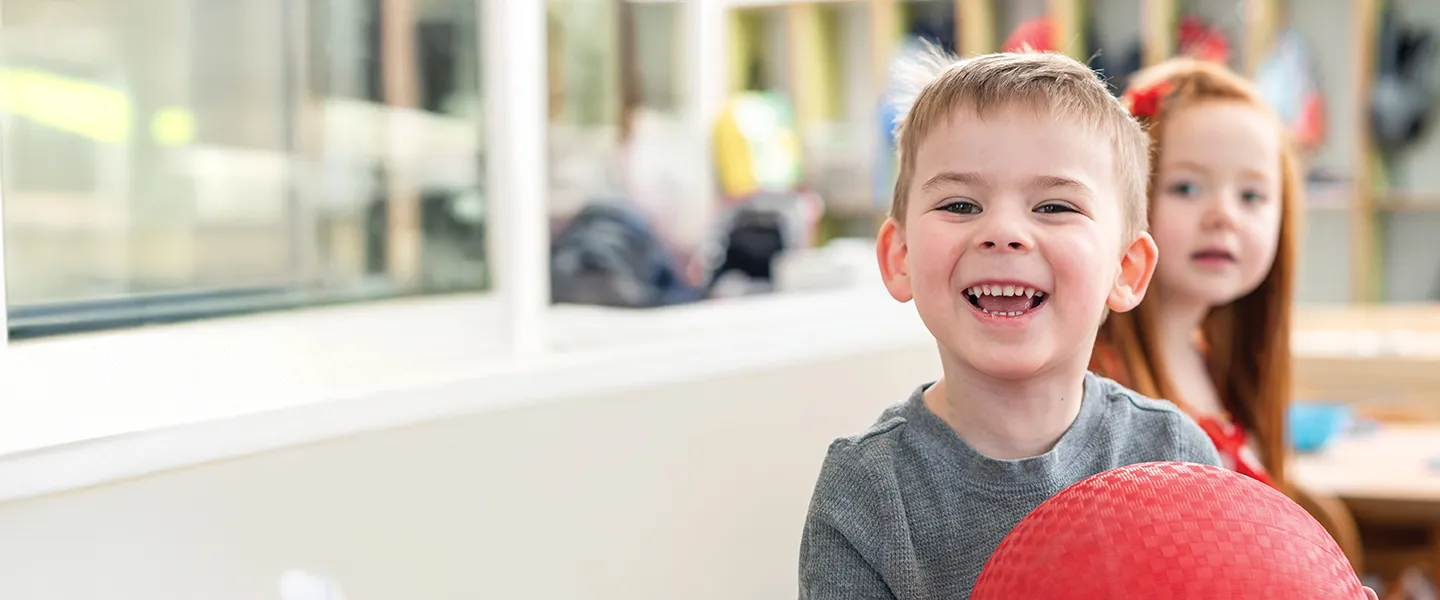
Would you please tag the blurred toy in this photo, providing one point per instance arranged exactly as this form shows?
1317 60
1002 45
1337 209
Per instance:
769 209
1039 35
1035 35
1402 102
1199 40
1313 425
755 233
757 148
1287 81
1193 37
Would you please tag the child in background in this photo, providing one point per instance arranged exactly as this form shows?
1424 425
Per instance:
1213 336
1018 219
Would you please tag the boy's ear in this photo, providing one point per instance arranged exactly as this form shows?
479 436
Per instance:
1137 266
891 251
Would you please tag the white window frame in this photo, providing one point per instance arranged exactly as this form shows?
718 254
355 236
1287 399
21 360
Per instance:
68 389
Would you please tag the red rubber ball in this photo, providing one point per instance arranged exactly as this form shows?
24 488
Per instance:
1168 530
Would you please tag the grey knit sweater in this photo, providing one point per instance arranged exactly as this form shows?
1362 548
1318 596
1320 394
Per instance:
908 510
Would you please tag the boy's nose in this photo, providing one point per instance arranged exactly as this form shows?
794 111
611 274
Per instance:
1004 238
1003 232
1013 244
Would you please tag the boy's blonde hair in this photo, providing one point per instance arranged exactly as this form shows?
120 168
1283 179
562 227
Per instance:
936 84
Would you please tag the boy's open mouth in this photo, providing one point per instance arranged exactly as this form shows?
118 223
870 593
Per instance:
1005 300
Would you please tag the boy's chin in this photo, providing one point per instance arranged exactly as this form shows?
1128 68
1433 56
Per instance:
1008 366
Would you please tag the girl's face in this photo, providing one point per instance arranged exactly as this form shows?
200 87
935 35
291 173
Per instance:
1217 209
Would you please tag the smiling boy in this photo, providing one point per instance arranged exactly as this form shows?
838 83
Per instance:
1018 221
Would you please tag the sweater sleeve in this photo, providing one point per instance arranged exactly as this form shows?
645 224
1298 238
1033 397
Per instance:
832 567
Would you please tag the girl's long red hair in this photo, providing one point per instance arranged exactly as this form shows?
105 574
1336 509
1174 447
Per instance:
1248 339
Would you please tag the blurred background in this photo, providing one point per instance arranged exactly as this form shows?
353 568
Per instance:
170 159
194 161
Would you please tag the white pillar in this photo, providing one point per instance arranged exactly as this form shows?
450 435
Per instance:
706 21
707 86
513 48
4 298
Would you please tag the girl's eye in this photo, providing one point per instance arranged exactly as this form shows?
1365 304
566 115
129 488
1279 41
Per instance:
961 207
1184 188
1252 197
1055 208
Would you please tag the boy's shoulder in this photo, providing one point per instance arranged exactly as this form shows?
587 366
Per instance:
877 446
1153 429
880 439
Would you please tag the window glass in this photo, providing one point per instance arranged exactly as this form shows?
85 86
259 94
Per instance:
177 159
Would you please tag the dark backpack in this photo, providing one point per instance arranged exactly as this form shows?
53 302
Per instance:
609 255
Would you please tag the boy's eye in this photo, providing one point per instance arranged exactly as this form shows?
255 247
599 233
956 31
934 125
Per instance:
1055 208
961 207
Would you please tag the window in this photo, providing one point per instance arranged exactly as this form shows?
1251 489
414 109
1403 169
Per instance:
169 160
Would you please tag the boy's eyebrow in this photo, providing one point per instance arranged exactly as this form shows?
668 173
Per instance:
963 178
978 180
1050 182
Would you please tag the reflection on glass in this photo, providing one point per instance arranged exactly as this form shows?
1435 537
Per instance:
618 133
175 159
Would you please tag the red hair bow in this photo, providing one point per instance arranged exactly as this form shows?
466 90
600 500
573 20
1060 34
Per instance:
1145 102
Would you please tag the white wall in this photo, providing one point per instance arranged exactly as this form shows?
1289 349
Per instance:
688 491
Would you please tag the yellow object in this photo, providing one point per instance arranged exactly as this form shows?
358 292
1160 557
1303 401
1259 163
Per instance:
756 145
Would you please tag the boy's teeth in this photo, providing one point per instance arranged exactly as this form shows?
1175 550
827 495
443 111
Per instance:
1003 314
1002 290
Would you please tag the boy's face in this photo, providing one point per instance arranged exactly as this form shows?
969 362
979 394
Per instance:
1011 247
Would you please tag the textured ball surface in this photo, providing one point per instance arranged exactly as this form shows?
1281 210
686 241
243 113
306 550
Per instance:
1168 530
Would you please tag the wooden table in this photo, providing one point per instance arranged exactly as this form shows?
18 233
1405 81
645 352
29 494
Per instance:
1384 359
1389 476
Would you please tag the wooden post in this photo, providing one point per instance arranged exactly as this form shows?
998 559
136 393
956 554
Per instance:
1262 18
1364 255
803 79
401 94
1068 16
741 51
631 86
975 27
884 34
1157 18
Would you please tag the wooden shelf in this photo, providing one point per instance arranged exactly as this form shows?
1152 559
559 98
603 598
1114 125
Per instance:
1407 202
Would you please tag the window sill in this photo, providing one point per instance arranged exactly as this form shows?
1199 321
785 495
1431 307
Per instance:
96 408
